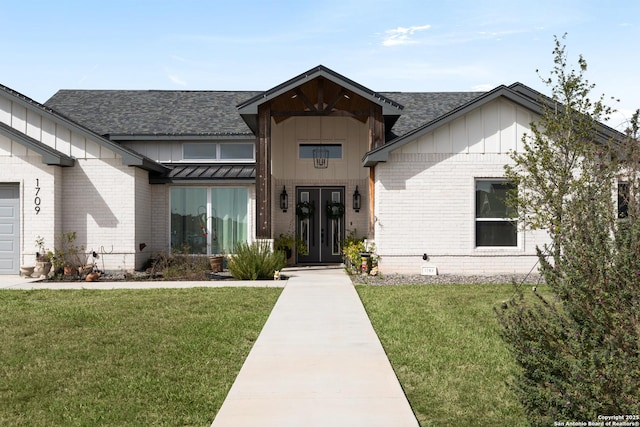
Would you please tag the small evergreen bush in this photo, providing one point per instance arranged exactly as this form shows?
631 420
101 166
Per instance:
255 261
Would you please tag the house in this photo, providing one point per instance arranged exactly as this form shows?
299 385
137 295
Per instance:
135 173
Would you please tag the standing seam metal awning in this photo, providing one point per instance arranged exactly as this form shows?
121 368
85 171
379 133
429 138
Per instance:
221 172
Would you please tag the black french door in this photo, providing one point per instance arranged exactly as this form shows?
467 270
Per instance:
320 223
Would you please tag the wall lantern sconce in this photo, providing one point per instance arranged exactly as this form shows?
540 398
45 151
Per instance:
356 200
284 200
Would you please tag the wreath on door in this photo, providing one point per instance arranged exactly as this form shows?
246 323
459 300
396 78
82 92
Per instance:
304 210
335 210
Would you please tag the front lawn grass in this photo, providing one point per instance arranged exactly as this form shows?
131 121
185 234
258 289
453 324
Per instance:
443 342
124 357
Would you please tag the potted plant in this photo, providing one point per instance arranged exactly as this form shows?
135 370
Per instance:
359 255
43 259
288 243
217 263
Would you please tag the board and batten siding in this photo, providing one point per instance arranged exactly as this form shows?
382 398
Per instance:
425 196
162 151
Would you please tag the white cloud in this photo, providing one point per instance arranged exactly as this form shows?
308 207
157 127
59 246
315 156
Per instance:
177 80
402 35
483 87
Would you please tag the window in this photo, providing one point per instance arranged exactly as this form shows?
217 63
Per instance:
334 151
199 151
236 152
623 200
210 151
494 227
208 220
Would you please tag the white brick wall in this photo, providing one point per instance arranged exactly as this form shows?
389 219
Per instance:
425 196
144 217
159 219
99 205
426 204
100 212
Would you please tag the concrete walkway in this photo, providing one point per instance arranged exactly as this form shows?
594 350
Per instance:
317 362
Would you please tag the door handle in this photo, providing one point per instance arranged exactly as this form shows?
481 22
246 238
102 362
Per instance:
322 236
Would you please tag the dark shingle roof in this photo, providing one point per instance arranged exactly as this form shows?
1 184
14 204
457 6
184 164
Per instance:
150 112
423 107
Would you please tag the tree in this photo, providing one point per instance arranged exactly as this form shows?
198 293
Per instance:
578 350
550 164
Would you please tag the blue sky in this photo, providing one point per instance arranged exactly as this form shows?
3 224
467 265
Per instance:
393 45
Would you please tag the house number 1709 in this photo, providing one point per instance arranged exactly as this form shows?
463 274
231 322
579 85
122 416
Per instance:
36 200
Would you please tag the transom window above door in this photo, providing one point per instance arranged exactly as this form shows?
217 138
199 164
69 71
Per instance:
217 151
334 151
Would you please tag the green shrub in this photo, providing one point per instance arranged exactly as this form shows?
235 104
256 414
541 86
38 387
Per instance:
255 261
579 350
352 248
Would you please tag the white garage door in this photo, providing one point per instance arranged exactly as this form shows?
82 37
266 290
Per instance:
9 229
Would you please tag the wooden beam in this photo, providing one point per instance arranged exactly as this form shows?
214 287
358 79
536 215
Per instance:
376 127
372 131
263 173
379 126
331 105
306 101
363 114
320 94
